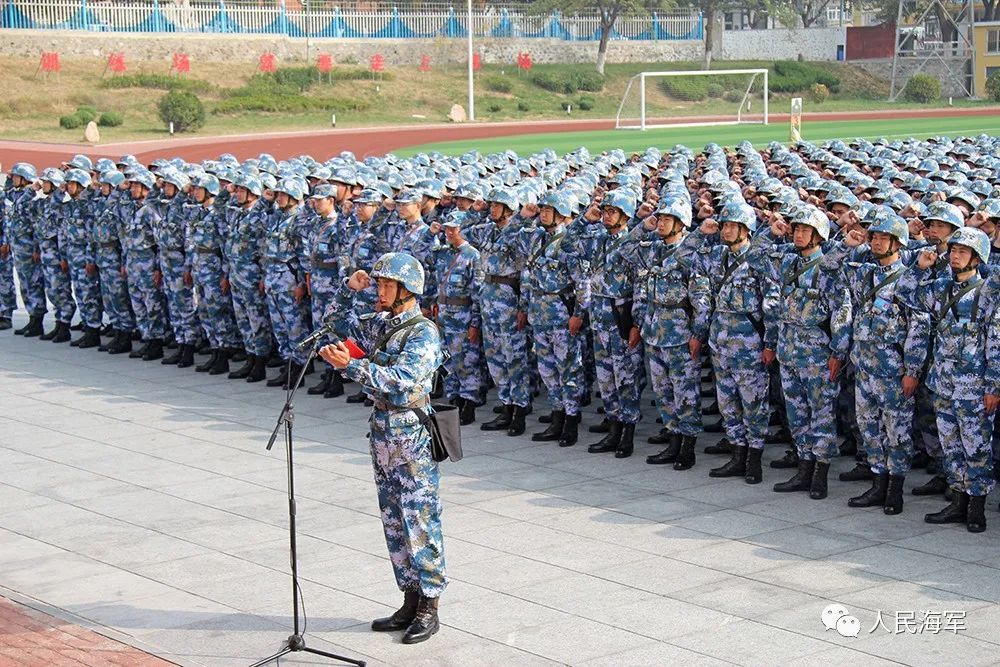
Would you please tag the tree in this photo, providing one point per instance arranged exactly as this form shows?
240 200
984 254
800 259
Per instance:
710 10
609 11
792 13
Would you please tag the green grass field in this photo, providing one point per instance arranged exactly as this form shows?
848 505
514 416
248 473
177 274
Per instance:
726 135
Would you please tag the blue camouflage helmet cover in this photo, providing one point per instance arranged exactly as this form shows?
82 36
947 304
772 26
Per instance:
991 207
145 178
973 238
54 176
677 207
81 162
111 177
324 191
249 182
207 181
945 212
78 176
621 199
403 268
175 177
268 181
25 170
811 216
408 196
455 219
104 164
560 201
885 221
506 196
293 187
370 196
740 213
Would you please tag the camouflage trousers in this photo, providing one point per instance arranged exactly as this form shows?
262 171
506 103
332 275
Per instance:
325 285
966 438
8 294
925 426
741 385
289 319
619 368
58 287
29 275
86 287
464 359
810 397
251 308
148 303
846 412
506 350
560 366
215 309
180 297
114 290
885 418
411 511
676 380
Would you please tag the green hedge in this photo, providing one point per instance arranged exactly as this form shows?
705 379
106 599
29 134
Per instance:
786 76
72 121
183 109
158 81
567 82
498 84
110 119
287 103
791 76
922 88
993 87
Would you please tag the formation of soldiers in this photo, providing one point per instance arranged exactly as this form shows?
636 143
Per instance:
841 292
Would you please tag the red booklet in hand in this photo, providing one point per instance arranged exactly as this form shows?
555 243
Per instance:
352 347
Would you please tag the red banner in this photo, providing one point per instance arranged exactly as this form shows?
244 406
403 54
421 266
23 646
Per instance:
324 63
425 63
50 61
181 63
477 62
116 63
267 62
377 63
524 60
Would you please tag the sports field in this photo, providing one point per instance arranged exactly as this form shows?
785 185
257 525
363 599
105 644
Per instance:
726 135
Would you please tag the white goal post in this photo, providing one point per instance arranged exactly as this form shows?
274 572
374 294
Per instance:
628 123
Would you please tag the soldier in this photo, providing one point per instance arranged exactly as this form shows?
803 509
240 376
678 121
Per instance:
141 265
814 329
107 236
206 238
741 335
459 275
76 221
672 303
965 372
502 243
557 285
404 351
55 267
890 345
285 280
19 235
243 246
174 275
617 340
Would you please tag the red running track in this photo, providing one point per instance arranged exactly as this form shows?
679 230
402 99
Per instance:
364 142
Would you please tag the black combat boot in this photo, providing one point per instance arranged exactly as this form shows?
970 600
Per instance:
735 467
62 332
425 624
221 365
755 475
545 419
174 358
956 512
517 425
293 375
243 371
603 427
139 352
467 412
121 344
661 438
49 335
800 481
359 397
780 437
976 522
154 350
875 496
91 338
935 486
627 443
187 356
685 457
207 365
894 496
259 370
789 460
20 332
402 617
859 473
34 328
714 427
237 354
571 431
324 382
818 488
723 446
554 431
502 422
609 442
281 379
669 454
77 327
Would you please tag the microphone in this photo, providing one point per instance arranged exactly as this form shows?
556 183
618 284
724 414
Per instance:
328 329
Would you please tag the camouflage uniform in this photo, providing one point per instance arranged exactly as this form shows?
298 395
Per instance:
139 243
58 288
283 274
170 233
243 252
107 236
206 237
19 232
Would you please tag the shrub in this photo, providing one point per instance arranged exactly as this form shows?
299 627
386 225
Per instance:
554 82
183 109
922 88
794 77
716 90
494 108
72 121
87 112
523 106
589 80
585 103
819 93
685 88
287 103
567 82
498 84
733 96
993 87
111 119
158 81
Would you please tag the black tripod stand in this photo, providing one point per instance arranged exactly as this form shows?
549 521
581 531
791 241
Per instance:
296 641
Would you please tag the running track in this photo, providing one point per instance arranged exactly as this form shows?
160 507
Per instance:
364 142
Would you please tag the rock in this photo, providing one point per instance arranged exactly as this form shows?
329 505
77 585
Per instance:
457 114
91 134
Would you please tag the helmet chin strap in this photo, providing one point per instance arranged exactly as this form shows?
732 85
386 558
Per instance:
889 253
399 300
739 239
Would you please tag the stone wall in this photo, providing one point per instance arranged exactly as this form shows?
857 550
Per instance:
950 85
217 48
781 44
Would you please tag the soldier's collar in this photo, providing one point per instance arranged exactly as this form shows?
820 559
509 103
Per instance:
396 320
888 268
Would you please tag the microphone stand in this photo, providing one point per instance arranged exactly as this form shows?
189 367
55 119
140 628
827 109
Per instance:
296 641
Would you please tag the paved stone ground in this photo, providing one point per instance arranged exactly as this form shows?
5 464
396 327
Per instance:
140 498
29 638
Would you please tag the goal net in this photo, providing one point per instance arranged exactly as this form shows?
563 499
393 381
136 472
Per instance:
695 97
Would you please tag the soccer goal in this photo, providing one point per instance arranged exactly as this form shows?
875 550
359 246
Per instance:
666 99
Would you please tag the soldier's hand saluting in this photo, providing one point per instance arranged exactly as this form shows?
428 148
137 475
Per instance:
854 238
709 227
359 280
926 259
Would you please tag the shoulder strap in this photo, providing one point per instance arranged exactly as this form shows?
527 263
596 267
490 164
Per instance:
387 336
954 299
730 267
802 271
877 287
545 246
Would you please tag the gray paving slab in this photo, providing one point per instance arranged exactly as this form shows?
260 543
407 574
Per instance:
140 498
